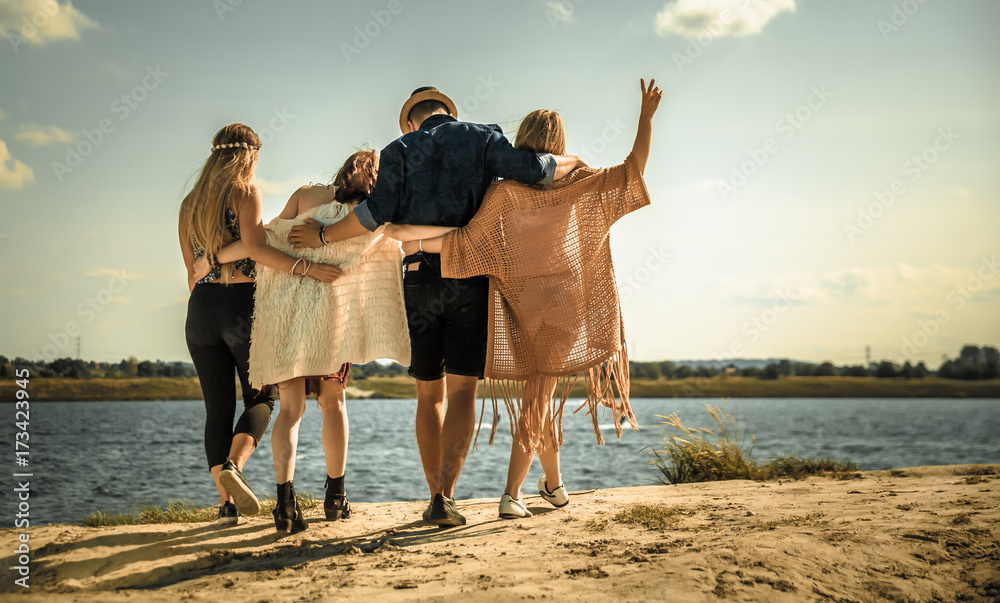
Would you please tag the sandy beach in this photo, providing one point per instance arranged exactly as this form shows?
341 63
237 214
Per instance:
918 534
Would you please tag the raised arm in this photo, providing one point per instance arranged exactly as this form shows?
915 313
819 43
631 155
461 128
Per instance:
644 134
412 232
250 208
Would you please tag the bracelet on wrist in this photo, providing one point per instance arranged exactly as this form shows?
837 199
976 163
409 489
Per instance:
322 234
292 269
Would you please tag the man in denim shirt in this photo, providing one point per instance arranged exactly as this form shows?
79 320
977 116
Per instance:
437 174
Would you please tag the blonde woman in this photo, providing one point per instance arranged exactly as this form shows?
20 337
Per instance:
554 303
306 335
224 206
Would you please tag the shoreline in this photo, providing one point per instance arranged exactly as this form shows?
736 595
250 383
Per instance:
918 533
187 388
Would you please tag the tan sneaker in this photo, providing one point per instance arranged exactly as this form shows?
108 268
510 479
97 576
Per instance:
558 497
511 508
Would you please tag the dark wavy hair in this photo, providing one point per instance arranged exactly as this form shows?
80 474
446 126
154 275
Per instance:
356 178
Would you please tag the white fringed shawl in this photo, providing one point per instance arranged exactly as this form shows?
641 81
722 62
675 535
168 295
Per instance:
303 327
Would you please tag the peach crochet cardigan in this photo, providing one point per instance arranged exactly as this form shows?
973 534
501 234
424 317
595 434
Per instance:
554 308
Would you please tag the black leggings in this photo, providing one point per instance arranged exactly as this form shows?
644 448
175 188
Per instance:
218 338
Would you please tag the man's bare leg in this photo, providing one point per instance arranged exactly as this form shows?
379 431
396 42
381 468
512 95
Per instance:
429 424
456 433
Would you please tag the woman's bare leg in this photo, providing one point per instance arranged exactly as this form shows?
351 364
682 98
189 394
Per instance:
224 496
285 433
537 400
549 457
517 470
336 429
239 452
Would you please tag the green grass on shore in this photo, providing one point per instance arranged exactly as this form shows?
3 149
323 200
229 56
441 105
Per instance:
187 388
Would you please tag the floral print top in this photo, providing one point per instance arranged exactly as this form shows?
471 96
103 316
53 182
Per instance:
246 265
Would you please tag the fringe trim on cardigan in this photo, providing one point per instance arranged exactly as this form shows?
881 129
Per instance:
535 406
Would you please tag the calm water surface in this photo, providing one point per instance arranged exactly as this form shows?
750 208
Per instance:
109 456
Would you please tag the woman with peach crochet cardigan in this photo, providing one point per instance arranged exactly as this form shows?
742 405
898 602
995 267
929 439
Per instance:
554 304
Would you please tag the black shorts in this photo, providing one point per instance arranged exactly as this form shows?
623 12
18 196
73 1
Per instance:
447 319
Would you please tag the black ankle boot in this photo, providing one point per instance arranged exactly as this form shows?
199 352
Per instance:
335 506
287 514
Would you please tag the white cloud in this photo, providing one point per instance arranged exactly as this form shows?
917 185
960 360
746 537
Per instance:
719 18
903 287
707 185
13 173
173 303
280 188
110 273
113 70
41 21
560 11
39 136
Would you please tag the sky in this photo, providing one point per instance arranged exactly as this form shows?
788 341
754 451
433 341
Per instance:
822 173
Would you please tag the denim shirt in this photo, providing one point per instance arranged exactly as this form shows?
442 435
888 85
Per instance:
439 174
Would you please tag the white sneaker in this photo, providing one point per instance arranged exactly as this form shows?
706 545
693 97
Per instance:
512 509
558 497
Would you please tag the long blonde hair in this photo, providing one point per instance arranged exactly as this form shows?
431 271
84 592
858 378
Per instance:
227 172
541 131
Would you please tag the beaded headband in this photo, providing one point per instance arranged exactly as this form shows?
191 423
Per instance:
234 145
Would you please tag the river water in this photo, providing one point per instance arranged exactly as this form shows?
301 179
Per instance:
111 456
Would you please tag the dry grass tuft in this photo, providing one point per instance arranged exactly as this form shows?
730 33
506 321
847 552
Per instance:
700 454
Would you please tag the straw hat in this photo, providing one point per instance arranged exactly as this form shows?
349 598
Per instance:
419 95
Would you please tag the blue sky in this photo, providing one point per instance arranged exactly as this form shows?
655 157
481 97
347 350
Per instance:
822 173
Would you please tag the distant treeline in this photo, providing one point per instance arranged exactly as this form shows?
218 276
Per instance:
73 368
973 362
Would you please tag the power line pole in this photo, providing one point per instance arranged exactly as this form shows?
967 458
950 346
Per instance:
868 358
79 342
